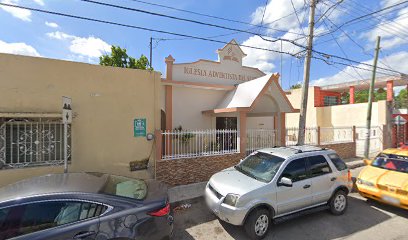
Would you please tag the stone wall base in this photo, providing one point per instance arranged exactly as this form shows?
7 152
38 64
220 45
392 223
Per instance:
345 150
193 170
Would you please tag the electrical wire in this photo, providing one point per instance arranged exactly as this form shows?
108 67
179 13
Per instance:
216 17
326 59
362 17
265 38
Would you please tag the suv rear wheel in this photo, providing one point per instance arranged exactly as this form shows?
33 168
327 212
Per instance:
338 203
257 224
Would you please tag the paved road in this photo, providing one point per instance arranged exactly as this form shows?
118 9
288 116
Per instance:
363 220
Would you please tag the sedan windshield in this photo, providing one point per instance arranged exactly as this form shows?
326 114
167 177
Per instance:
391 162
261 166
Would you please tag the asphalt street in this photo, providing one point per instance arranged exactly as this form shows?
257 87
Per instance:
363 220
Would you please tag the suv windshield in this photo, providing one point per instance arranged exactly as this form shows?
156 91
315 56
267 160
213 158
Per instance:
261 166
391 162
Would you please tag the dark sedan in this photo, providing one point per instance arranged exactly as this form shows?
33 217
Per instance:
85 206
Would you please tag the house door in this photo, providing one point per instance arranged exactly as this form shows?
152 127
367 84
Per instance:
226 140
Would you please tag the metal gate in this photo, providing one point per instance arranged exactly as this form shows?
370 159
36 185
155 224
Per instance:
376 140
31 143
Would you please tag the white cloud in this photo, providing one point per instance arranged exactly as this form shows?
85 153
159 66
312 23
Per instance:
397 61
22 14
18 48
390 32
90 47
387 3
263 59
288 22
51 24
39 2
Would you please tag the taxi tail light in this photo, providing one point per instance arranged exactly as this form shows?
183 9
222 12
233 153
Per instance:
349 176
161 212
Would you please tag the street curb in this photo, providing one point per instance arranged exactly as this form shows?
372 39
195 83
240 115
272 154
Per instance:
185 192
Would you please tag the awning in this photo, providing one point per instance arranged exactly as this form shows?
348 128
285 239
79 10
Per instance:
246 96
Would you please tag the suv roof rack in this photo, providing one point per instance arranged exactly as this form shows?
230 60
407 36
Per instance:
312 150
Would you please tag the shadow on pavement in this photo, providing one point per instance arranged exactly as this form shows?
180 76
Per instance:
360 215
197 214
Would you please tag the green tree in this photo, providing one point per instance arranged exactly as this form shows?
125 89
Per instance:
296 86
361 96
401 100
119 58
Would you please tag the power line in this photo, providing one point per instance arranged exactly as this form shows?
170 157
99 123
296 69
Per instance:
391 27
191 21
263 14
216 17
297 17
332 7
233 29
341 49
356 43
326 60
378 17
178 18
135 27
362 17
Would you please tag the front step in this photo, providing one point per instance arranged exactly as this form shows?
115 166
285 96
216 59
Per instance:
298 214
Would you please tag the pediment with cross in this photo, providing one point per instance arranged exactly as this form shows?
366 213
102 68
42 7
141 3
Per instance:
231 53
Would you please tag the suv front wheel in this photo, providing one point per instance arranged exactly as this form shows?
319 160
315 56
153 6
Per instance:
257 224
338 203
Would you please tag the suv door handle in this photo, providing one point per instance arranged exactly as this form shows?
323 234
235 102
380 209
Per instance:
333 179
81 235
306 186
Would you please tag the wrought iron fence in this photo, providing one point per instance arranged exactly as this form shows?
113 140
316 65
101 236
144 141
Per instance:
292 135
186 144
329 135
261 138
26 143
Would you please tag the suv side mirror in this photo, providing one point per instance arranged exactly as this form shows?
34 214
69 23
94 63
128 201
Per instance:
285 182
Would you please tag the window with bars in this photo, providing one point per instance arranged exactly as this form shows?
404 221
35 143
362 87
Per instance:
330 100
32 142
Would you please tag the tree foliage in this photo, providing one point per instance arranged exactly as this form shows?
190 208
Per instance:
401 100
119 58
296 86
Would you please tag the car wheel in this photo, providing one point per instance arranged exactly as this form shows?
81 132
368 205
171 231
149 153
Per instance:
338 203
257 224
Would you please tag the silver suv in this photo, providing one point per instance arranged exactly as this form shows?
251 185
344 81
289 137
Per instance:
275 184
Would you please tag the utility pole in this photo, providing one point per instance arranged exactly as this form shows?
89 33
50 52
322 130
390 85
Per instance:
370 101
306 76
151 47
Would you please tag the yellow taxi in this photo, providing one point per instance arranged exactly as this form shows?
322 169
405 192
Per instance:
385 178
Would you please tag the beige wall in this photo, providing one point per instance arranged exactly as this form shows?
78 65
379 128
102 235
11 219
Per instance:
334 116
188 104
351 115
105 101
292 119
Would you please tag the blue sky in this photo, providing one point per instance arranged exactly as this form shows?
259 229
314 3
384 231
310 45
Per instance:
38 34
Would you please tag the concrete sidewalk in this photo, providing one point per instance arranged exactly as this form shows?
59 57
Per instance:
190 191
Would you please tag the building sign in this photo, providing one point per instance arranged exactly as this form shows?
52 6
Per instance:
139 127
216 74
